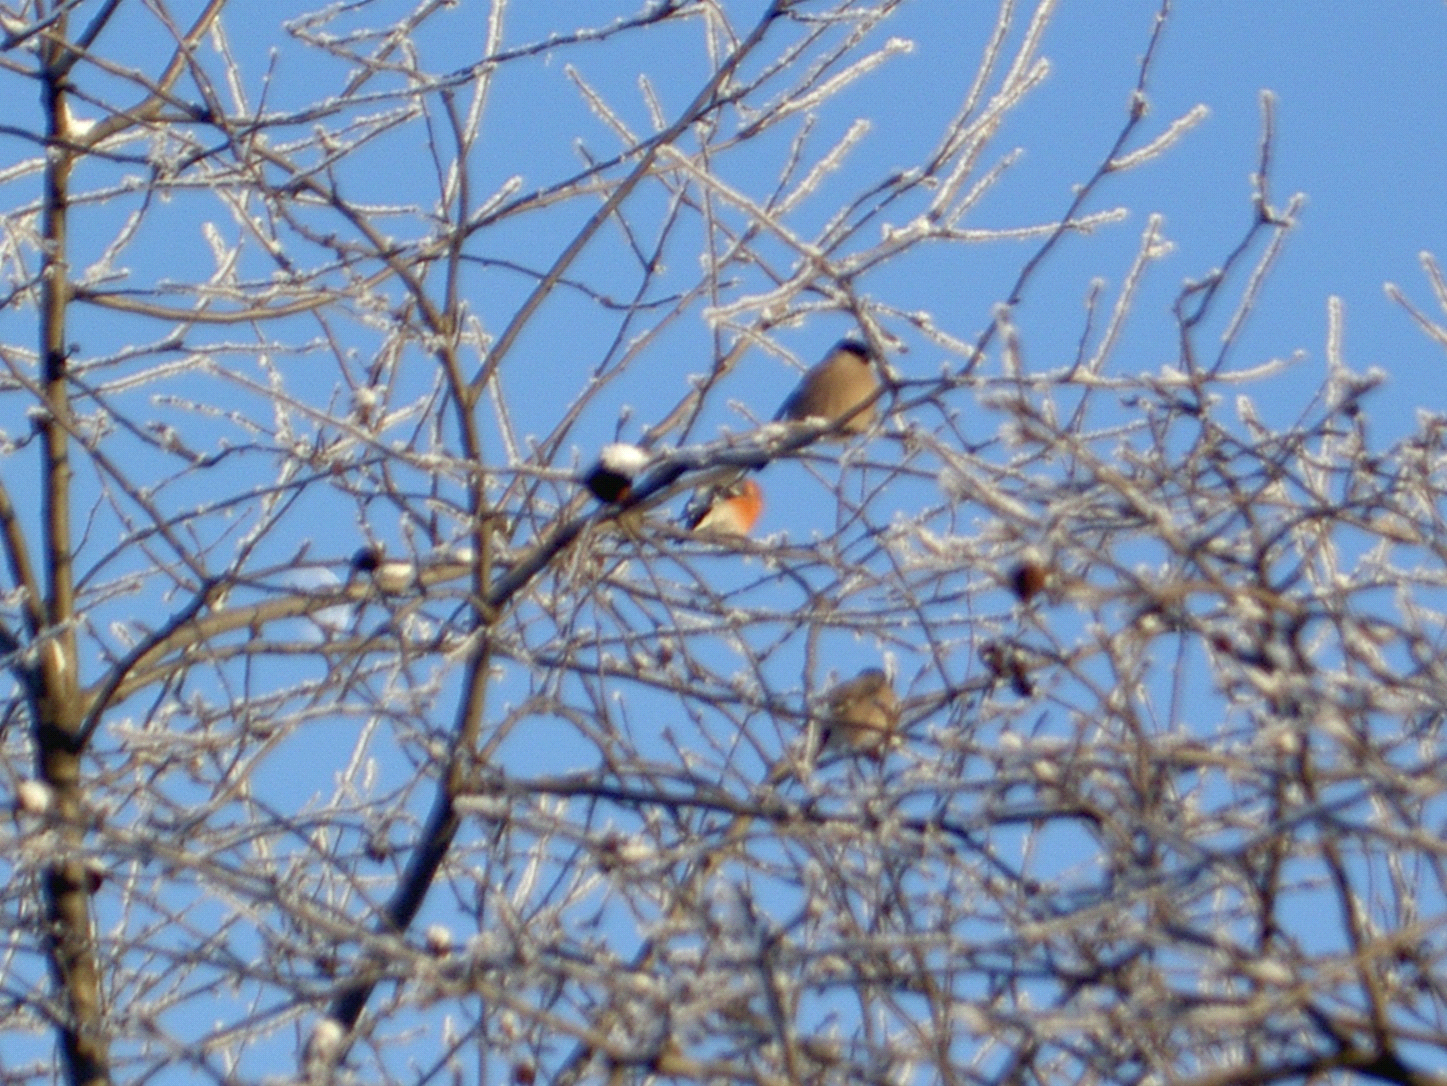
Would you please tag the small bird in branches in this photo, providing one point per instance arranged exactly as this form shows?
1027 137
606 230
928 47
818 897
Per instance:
859 716
611 479
843 388
725 509
392 576
1006 663
1028 578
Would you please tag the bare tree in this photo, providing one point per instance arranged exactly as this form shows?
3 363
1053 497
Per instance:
536 787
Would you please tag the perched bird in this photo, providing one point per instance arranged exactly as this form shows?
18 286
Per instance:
1029 578
611 478
836 389
1005 662
725 509
859 716
392 576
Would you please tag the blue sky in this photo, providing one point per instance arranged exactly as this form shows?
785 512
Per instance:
1359 131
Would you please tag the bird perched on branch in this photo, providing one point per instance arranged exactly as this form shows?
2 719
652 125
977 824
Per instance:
1028 578
837 389
731 508
841 390
611 479
859 716
392 576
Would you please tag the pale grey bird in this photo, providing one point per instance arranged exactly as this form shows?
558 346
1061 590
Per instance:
837 388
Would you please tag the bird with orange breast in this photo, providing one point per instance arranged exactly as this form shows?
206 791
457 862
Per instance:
727 509
842 389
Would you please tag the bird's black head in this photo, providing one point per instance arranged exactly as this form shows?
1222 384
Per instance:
367 560
855 347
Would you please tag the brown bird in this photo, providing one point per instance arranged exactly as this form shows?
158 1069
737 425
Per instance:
728 509
1028 579
836 389
860 716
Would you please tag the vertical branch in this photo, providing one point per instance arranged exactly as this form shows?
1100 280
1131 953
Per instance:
53 675
436 838
59 161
